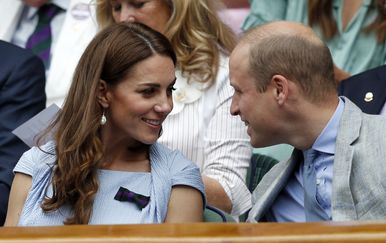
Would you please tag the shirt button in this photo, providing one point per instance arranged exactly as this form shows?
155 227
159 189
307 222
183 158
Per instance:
369 96
318 182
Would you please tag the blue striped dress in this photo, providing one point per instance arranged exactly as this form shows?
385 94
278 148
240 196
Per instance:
168 168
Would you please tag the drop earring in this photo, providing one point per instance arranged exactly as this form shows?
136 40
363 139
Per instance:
103 119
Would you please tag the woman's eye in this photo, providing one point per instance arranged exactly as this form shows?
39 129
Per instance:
170 90
117 7
148 91
137 4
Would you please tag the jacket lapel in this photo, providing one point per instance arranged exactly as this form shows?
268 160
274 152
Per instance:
343 207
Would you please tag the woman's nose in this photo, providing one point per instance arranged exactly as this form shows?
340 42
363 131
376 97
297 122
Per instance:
127 14
164 106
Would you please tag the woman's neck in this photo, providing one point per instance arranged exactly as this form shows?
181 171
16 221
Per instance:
350 8
126 157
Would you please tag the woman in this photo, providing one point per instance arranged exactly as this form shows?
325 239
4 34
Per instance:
200 124
355 30
104 165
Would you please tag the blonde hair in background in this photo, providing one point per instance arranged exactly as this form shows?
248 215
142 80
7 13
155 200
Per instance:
196 32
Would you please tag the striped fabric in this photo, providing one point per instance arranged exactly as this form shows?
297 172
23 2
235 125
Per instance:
206 133
168 169
40 40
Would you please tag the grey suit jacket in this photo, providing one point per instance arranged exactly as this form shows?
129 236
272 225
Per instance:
359 173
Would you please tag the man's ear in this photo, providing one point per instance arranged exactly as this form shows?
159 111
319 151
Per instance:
281 88
103 90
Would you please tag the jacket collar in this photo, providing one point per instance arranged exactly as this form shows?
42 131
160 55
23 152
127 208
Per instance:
342 202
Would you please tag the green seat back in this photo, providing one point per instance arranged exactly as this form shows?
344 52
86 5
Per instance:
212 214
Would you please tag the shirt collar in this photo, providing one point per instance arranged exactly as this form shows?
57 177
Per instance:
325 142
63 4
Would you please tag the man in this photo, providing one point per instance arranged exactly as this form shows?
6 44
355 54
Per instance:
71 29
22 80
367 90
285 92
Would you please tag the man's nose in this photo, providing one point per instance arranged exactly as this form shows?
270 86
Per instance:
234 107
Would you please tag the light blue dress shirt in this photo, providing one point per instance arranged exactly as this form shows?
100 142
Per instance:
289 206
352 49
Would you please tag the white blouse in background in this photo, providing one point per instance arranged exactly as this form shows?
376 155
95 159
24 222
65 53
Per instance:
203 129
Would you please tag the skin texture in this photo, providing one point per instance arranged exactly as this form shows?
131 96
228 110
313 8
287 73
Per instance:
248 98
136 108
19 190
140 103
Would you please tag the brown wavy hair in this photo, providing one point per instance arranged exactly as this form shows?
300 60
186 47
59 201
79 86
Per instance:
110 56
196 32
320 14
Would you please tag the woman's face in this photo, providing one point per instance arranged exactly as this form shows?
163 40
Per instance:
140 102
153 13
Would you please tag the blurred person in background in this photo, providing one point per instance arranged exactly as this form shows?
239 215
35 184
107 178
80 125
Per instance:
22 80
354 30
57 31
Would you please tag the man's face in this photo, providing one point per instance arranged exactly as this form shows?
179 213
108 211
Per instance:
254 107
35 3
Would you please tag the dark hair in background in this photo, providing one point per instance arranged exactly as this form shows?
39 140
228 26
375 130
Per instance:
320 14
110 56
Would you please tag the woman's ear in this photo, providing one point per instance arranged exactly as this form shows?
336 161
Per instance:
103 94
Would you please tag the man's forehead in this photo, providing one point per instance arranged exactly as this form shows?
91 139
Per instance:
239 69
239 56
242 49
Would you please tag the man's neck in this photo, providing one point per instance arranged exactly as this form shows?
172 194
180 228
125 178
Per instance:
309 121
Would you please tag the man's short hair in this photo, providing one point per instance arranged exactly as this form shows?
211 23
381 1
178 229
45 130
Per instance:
303 59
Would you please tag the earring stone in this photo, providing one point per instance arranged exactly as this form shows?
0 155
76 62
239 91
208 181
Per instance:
103 119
